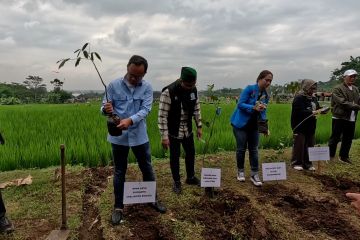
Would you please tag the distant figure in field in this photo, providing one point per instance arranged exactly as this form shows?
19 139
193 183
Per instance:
130 98
303 123
345 104
250 109
179 103
355 200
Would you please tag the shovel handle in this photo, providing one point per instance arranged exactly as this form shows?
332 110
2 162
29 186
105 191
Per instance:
63 191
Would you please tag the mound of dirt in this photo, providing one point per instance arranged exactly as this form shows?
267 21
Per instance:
338 186
310 213
144 223
231 216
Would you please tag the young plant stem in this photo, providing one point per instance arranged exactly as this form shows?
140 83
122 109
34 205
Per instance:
208 140
107 99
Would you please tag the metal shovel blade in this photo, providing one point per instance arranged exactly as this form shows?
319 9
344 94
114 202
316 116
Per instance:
58 235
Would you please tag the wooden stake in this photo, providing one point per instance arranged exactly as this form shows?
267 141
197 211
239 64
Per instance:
319 165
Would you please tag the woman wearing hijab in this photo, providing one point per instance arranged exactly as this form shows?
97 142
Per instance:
303 123
250 109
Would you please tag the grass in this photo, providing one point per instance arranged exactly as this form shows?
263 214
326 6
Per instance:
33 133
35 209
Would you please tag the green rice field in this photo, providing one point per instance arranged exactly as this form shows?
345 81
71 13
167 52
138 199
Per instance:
33 133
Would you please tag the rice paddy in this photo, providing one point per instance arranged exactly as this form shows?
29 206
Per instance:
33 133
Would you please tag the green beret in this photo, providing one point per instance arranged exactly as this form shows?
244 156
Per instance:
188 74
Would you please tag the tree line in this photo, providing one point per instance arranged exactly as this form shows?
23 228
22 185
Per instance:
33 90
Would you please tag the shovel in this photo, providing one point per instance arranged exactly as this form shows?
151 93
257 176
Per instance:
63 233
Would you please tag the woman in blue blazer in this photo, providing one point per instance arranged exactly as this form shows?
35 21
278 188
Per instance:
250 109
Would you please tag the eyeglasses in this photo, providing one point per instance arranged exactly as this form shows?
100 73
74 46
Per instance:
352 76
137 78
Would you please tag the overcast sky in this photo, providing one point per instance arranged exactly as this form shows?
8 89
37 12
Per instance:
228 42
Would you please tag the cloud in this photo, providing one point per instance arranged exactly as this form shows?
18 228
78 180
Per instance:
229 42
122 34
8 41
31 24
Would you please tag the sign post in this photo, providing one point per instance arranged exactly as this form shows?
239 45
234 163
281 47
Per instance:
210 177
139 192
319 154
274 171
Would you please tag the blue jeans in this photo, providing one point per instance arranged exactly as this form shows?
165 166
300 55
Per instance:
120 155
247 139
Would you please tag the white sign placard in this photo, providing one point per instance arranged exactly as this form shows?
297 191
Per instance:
319 153
274 171
139 192
210 177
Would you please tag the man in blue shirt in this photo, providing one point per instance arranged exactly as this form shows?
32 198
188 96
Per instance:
130 98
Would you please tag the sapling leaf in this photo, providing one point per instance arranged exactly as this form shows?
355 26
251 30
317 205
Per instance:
92 56
84 47
86 54
77 61
63 62
97 55
76 51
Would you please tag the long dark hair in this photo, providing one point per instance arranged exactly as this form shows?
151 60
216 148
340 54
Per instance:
263 74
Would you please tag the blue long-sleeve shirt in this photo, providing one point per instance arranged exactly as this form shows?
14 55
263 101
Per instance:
130 102
245 106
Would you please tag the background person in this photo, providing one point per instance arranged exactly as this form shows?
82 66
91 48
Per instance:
355 200
345 102
5 225
131 99
303 123
250 108
179 103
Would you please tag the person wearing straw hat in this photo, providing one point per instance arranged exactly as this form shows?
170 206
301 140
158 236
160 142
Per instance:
303 123
345 104
179 103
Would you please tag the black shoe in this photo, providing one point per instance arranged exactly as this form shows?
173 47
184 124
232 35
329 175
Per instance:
193 181
345 159
177 187
116 216
5 225
158 207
